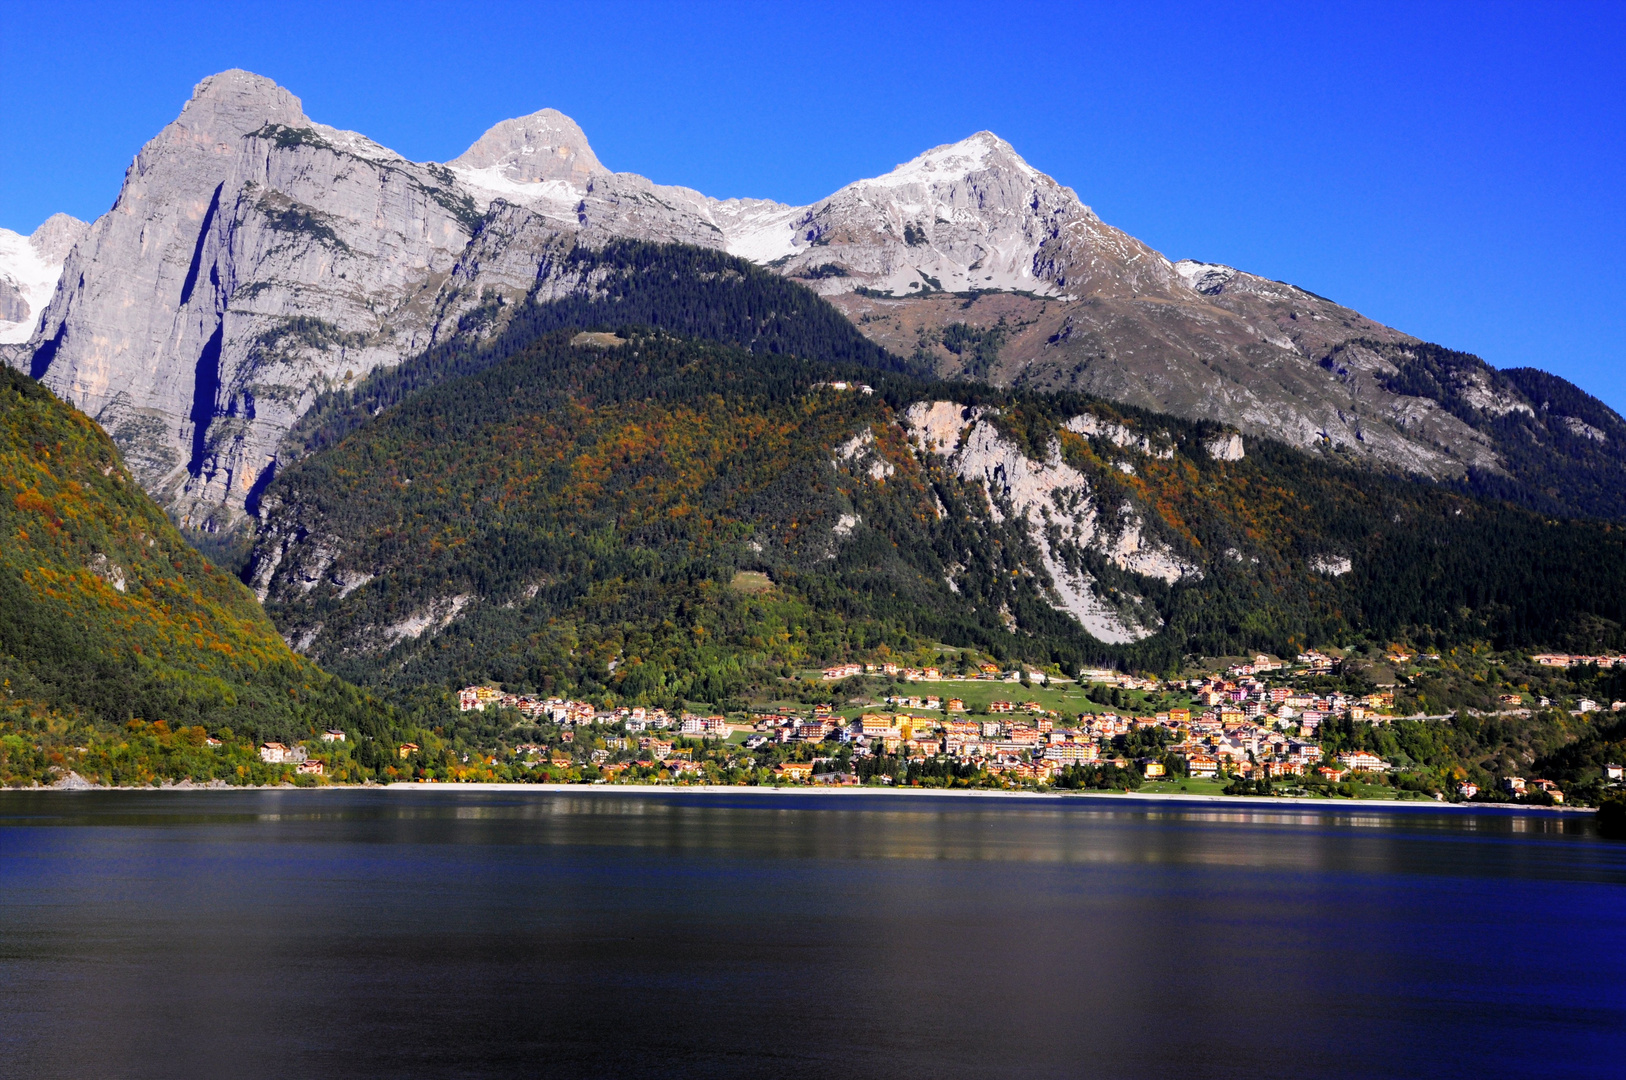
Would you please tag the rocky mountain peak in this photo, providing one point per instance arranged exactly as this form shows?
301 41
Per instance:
979 153
546 145
56 236
982 165
966 216
253 259
236 102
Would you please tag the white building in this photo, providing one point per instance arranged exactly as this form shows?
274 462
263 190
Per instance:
275 753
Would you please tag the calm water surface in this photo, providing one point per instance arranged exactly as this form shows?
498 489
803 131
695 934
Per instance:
391 933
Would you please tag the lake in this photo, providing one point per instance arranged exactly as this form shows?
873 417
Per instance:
601 933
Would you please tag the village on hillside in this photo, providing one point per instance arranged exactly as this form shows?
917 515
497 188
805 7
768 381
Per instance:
1251 728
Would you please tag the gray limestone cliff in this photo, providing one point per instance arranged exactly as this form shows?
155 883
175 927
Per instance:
253 259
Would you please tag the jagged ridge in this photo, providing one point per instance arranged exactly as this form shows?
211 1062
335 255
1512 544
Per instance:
257 260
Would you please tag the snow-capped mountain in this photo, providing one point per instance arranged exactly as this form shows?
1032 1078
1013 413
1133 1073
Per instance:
29 269
968 216
255 258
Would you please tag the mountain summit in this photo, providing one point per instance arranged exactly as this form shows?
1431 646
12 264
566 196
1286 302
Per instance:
547 145
971 215
256 259
234 102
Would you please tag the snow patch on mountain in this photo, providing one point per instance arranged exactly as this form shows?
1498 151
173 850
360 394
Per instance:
1206 278
946 164
553 199
30 267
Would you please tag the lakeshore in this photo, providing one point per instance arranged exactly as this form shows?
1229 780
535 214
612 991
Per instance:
1278 801
1306 801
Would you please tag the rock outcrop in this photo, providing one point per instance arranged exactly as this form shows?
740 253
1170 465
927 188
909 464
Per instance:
1225 447
1060 515
547 145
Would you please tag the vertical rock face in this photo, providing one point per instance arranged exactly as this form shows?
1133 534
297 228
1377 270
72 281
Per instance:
1225 447
252 260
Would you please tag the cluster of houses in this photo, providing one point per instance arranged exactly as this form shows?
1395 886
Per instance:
1035 747
557 710
1241 730
1567 660
1246 728
1238 726
569 713
1241 697
985 672
1517 786
276 753
1243 727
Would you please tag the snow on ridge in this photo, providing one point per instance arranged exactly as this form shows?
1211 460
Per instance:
358 145
554 197
1204 277
757 229
765 232
950 162
34 278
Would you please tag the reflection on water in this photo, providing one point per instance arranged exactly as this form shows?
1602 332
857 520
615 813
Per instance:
400 933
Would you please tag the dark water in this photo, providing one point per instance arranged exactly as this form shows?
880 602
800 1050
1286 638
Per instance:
309 934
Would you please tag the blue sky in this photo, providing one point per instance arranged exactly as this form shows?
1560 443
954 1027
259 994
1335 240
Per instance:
1457 171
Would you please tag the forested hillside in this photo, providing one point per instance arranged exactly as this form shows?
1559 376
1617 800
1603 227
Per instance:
1562 451
107 616
673 519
